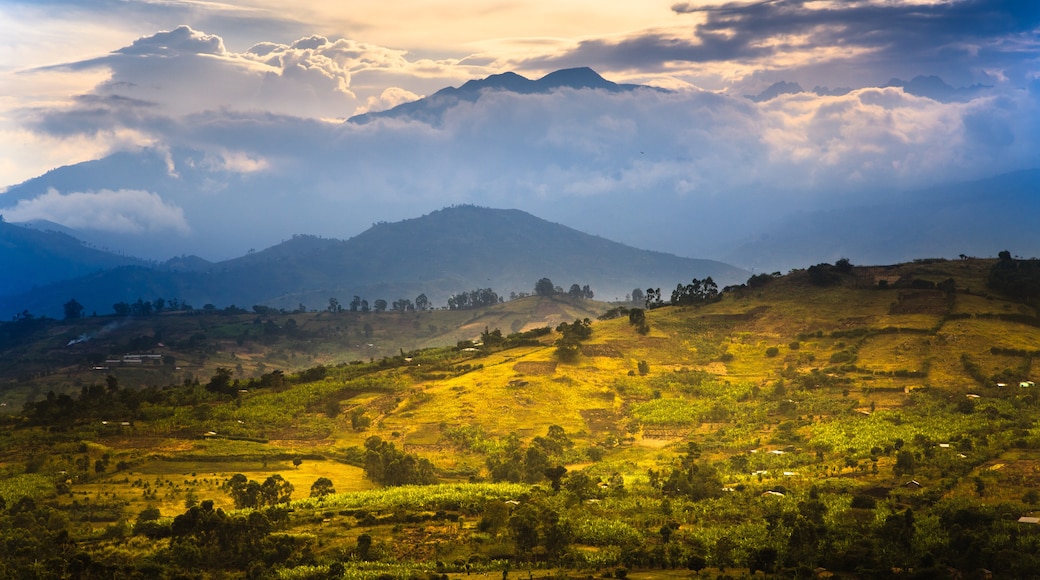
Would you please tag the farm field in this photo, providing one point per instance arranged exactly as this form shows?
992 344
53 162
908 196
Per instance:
790 428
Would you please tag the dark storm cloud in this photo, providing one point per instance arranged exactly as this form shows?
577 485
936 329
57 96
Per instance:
973 33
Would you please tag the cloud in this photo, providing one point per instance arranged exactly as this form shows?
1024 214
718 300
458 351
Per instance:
121 211
257 132
691 166
964 41
388 99
179 41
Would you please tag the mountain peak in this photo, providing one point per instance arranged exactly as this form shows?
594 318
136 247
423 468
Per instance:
576 78
509 81
430 109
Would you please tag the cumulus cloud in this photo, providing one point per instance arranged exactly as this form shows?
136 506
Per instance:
388 99
121 211
179 41
184 71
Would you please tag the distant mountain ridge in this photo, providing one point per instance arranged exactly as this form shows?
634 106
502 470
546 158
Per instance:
929 86
431 108
979 218
35 256
443 253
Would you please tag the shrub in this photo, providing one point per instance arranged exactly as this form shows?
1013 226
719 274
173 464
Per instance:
841 357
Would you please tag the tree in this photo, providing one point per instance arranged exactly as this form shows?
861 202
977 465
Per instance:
696 292
568 346
544 287
403 305
275 490
386 465
555 475
422 302
121 309
358 420
905 462
334 305
575 291
380 305
322 487
220 382
141 308
355 304
637 318
637 296
473 299
244 492
653 298
73 310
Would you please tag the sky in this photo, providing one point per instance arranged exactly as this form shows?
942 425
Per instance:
245 101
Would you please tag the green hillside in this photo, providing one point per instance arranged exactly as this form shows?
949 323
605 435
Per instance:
855 422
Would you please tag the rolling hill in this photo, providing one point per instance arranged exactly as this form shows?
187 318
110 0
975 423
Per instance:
446 252
36 256
866 420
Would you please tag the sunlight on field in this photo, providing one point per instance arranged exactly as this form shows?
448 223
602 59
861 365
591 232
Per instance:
711 438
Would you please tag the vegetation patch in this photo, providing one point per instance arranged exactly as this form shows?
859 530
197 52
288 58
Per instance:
604 350
535 368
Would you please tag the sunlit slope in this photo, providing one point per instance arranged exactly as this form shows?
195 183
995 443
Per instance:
873 392
851 346
62 355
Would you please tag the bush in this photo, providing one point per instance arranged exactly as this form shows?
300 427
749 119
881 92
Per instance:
772 351
841 357
862 501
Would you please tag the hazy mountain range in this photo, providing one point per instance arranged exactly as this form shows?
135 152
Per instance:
447 252
929 86
158 202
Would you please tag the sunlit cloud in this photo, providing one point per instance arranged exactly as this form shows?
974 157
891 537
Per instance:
122 211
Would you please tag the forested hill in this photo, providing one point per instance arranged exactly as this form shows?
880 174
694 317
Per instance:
441 254
36 256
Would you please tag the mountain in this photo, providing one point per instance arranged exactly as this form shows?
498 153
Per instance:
936 89
930 86
430 109
775 90
34 256
446 252
979 218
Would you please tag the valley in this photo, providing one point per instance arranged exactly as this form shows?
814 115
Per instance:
835 421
